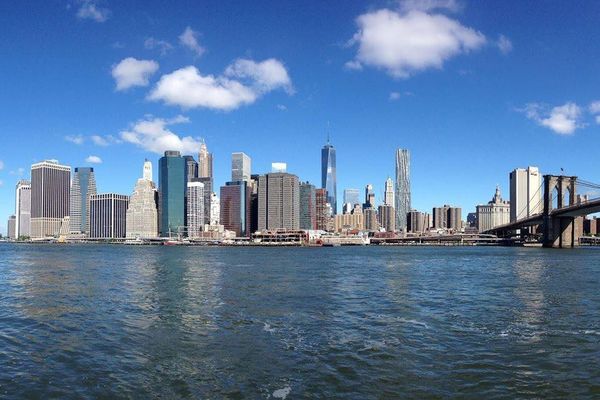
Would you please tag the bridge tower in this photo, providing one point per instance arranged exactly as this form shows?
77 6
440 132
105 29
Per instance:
560 232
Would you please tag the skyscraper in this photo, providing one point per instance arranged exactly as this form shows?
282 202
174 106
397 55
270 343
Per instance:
192 168
352 197
82 187
11 230
321 209
308 217
328 174
447 217
50 197
142 211
108 216
494 213
205 163
388 194
369 197
172 185
23 209
525 193
278 201
240 167
235 207
195 208
403 203
387 217
215 210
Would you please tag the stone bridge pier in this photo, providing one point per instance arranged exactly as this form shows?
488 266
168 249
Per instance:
560 232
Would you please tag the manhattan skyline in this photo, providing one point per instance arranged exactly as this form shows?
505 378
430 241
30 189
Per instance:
469 113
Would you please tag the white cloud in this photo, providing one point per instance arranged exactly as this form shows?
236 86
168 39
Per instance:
77 139
132 72
162 45
189 39
282 107
430 5
243 83
405 43
563 120
595 107
93 160
152 134
89 9
504 44
104 141
353 65
394 96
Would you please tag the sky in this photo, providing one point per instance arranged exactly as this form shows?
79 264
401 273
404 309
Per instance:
473 89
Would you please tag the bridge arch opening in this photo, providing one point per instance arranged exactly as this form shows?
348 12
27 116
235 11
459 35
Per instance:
554 198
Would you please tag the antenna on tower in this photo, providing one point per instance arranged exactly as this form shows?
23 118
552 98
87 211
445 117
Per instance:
328 132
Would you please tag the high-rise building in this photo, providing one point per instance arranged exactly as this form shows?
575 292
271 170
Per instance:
82 187
403 196
494 213
388 194
308 210
11 230
369 197
142 212
208 192
241 166
370 219
278 201
525 193
195 208
418 222
387 217
23 209
328 174
205 163
50 197
215 210
323 215
172 185
192 168
350 221
235 208
108 216
351 198
447 217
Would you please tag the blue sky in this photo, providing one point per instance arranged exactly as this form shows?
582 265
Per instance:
472 88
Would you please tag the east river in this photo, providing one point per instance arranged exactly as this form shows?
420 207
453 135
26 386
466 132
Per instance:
95 321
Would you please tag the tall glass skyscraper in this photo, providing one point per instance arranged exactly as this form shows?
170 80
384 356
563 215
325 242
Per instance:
402 188
328 179
172 181
82 187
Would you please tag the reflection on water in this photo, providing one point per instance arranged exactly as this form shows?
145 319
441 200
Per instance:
114 321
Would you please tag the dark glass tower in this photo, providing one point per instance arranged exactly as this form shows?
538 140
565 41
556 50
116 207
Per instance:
328 180
172 181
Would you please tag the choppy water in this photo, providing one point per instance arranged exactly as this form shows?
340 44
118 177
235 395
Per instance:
93 321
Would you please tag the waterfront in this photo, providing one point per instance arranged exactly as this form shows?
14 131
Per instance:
94 321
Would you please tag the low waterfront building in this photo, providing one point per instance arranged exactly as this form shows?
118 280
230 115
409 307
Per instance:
108 216
495 213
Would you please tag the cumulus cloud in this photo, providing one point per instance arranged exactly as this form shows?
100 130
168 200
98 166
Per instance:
77 139
403 43
242 83
161 45
504 44
153 134
595 110
89 9
563 120
104 141
93 160
131 72
394 96
189 38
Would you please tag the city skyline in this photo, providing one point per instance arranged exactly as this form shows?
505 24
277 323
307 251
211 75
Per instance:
446 114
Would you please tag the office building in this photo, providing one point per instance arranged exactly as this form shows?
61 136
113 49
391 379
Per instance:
50 197
11 230
418 222
322 212
352 196
215 210
23 209
447 217
192 168
108 216
83 187
495 213
370 220
172 185
278 201
142 211
195 208
403 195
308 207
241 166
205 163
349 222
235 208
369 197
525 193
328 175
388 194
387 217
